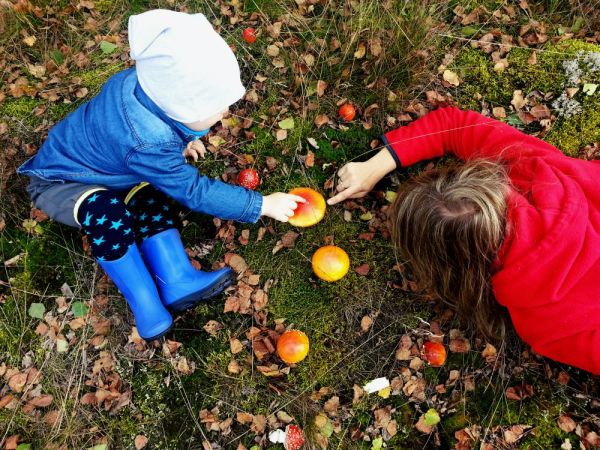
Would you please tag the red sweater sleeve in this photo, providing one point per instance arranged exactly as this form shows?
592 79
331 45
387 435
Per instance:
465 134
577 350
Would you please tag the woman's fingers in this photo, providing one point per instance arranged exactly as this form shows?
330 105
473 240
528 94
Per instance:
343 171
341 196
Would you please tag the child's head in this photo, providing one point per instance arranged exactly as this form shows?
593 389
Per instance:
449 224
184 66
204 124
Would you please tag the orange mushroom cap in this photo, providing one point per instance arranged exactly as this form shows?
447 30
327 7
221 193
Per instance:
311 212
330 263
434 353
293 346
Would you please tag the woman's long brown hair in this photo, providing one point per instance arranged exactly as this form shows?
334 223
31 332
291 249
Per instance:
449 224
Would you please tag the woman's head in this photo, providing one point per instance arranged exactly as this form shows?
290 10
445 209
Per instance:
449 224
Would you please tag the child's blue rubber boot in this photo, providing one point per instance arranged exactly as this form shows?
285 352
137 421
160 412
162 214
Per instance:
131 276
181 286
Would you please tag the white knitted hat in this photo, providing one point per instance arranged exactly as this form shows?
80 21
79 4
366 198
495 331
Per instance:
183 64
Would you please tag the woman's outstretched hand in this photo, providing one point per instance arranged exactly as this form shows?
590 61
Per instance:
357 179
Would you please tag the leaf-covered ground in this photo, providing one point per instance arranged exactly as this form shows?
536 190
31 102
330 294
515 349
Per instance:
75 374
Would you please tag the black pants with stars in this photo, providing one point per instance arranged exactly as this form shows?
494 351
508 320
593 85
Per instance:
112 226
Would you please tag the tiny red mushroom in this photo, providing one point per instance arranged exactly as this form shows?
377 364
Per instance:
294 437
434 353
249 35
347 112
248 178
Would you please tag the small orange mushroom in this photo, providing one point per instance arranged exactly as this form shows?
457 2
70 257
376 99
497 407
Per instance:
347 112
249 35
312 211
292 346
434 353
330 263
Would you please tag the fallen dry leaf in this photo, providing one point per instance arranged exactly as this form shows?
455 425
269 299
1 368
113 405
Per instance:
519 392
451 77
309 159
234 367
140 441
566 424
235 346
422 426
212 327
237 263
366 323
321 120
259 423
363 269
244 418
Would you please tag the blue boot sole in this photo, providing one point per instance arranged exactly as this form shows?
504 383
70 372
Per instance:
191 300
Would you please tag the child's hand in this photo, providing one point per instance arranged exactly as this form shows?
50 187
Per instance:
280 206
193 149
357 179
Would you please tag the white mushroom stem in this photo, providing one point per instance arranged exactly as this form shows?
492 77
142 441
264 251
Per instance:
376 385
277 437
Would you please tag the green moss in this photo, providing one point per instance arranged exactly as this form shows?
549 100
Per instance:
547 75
19 109
149 391
268 7
572 133
94 78
104 6
488 406
479 79
455 422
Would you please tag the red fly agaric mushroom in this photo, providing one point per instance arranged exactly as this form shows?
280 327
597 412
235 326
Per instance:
249 179
294 437
434 353
249 35
347 112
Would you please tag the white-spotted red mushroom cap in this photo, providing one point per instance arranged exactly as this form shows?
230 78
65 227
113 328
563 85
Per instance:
294 437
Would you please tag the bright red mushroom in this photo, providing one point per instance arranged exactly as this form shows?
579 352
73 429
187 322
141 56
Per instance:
249 35
434 353
294 437
347 112
249 179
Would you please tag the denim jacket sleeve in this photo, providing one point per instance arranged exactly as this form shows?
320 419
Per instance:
164 167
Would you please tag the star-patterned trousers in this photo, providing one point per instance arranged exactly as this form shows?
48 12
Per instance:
112 226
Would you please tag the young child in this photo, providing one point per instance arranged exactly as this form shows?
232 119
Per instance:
518 224
87 173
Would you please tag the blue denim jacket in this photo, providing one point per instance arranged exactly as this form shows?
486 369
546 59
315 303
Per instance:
120 138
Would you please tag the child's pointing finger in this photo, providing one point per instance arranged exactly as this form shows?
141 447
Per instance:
298 199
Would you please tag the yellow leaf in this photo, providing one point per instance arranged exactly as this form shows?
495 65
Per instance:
272 50
451 77
360 51
30 40
385 392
